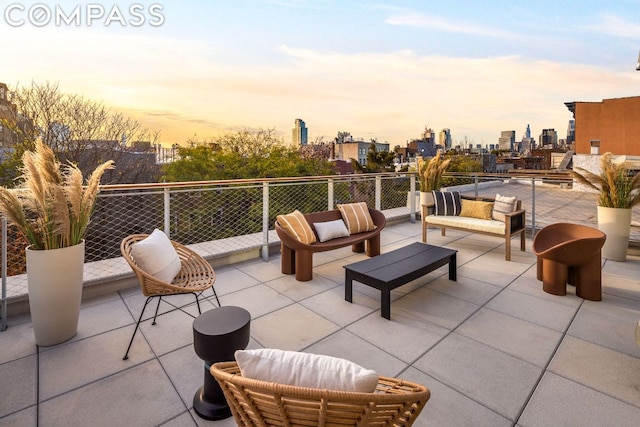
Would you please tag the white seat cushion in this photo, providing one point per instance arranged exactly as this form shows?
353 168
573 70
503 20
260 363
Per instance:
475 224
157 256
305 370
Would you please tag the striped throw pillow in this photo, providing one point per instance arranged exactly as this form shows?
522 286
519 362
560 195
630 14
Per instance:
503 205
447 203
357 217
296 224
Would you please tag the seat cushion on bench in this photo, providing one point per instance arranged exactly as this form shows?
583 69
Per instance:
475 224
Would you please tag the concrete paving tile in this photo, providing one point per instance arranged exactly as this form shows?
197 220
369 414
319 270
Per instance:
541 311
493 378
449 408
26 417
332 305
17 385
435 307
68 366
257 300
291 328
143 390
98 318
405 337
464 288
608 371
624 287
321 258
135 303
183 420
530 285
558 401
186 372
527 341
230 279
373 293
172 330
260 270
289 286
346 345
610 323
475 270
628 270
18 341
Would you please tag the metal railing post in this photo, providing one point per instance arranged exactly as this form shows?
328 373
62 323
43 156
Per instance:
533 207
330 194
412 198
265 222
378 192
167 212
476 178
3 314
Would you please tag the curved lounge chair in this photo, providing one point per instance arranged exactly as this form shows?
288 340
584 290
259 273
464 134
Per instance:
196 275
260 403
570 253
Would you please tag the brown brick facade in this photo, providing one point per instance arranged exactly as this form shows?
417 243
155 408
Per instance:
615 122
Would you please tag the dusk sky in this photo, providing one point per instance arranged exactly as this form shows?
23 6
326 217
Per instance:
380 69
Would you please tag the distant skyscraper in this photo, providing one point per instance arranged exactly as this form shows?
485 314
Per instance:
527 133
444 138
571 132
507 140
299 134
548 138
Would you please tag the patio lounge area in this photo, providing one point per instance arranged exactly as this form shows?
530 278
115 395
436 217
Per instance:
494 349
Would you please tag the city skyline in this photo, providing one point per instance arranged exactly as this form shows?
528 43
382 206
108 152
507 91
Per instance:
376 70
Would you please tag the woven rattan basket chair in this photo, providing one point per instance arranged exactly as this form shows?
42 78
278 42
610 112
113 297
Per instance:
259 403
196 275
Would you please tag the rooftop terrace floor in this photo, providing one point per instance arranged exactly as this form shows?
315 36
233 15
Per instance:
494 349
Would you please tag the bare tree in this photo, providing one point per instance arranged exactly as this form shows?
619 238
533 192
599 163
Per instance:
83 131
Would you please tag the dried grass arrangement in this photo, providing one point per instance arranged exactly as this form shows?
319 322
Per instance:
430 172
51 207
617 188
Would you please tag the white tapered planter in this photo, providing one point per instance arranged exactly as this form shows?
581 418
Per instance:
616 224
426 198
55 292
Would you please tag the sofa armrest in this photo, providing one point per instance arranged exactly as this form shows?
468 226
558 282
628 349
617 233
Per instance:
515 220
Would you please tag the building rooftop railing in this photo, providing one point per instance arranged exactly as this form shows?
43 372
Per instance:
219 218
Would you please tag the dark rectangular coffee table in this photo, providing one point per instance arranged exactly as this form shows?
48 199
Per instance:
396 268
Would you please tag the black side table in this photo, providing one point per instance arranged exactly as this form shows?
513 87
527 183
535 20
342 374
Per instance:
217 334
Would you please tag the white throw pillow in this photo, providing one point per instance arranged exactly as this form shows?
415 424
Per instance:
157 256
502 206
305 370
330 229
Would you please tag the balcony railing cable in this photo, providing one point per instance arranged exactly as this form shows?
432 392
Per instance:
223 217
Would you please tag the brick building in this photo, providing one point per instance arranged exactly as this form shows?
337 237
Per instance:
611 125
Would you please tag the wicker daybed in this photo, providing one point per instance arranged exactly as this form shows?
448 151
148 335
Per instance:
259 403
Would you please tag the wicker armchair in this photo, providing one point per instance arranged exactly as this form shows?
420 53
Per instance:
259 403
196 275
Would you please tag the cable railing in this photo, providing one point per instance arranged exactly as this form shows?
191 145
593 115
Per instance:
236 215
